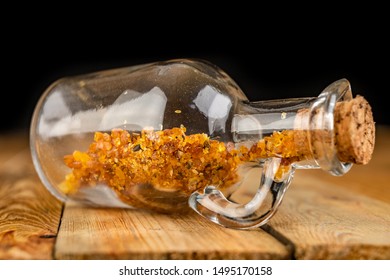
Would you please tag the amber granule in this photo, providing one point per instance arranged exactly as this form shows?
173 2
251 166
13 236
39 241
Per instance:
169 160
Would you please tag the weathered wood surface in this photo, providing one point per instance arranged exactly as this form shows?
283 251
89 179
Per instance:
321 217
327 222
130 234
29 216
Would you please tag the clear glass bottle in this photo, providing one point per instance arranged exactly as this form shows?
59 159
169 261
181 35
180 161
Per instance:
179 134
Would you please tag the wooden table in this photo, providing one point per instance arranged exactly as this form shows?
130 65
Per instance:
321 217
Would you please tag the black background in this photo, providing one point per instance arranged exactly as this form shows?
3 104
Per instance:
266 63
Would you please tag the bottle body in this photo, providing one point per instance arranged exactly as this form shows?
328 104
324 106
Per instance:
152 97
168 135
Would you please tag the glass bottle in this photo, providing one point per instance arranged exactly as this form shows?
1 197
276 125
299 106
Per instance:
180 134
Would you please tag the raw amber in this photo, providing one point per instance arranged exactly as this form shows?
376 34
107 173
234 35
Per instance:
169 160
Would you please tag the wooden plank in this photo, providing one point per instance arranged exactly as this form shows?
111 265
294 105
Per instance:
324 221
88 233
29 215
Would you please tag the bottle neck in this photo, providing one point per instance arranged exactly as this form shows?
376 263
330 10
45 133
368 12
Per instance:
308 122
255 120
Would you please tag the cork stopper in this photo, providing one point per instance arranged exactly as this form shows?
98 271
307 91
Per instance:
354 130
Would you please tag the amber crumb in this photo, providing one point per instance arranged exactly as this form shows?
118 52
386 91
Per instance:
169 160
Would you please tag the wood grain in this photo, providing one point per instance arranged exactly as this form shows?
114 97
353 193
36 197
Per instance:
324 221
88 233
29 215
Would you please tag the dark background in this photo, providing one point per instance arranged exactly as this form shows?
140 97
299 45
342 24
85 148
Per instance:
265 64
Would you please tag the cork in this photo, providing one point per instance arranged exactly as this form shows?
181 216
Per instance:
354 128
354 132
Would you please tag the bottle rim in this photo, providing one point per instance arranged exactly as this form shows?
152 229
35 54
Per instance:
322 119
